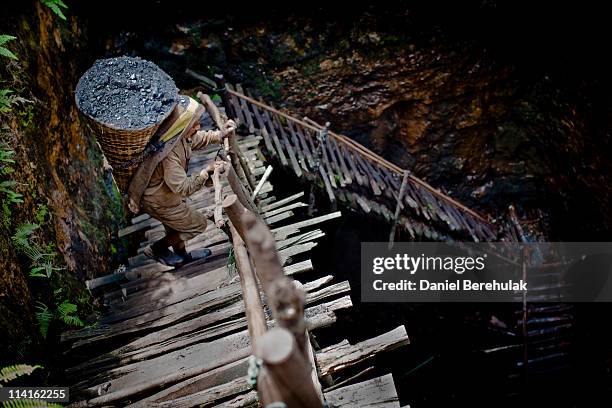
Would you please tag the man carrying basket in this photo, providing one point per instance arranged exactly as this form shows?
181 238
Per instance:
169 186
148 132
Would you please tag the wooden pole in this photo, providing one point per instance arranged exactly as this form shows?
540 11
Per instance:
234 210
218 215
285 299
237 186
262 181
288 369
253 308
398 207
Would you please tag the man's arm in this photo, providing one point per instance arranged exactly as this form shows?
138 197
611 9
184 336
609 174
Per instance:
178 181
203 138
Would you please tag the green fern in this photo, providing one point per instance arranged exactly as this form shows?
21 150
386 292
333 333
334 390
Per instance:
29 403
12 196
6 99
5 158
56 6
44 316
5 52
66 312
22 235
15 371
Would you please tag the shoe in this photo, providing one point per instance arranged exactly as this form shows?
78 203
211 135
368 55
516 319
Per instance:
197 255
165 257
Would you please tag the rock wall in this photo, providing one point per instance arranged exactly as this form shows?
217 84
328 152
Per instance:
58 168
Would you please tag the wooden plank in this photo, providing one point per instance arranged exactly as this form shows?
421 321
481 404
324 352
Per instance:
299 239
235 104
373 168
354 170
379 392
328 170
245 110
308 223
276 140
334 164
175 366
370 178
343 355
328 186
250 399
309 161
267 120
288 146
209 380
282 202
336 150
205 328
363 203
303 266
278 217
287 253
141 319
283 209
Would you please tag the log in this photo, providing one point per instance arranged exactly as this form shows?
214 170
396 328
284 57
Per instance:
234 210
238 188
250 292
289 371
218 215
284 299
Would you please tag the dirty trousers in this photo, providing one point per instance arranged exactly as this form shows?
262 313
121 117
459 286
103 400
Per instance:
177 216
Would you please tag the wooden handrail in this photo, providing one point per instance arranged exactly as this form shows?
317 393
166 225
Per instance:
364 151
286 375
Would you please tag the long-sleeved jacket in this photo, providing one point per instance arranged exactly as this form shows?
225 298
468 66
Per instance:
170 181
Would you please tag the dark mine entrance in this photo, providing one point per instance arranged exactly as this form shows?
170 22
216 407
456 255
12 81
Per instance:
460 354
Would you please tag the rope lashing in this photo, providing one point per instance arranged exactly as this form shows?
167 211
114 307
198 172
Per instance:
253 370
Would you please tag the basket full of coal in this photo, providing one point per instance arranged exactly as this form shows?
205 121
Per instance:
125 100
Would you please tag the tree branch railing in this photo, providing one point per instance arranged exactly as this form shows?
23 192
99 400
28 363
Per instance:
286 373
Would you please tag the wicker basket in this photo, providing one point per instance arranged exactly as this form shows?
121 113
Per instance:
121 145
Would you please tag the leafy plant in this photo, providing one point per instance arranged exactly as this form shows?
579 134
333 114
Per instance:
29 403
15 371
41 262
7 186
12 196
6 161
44 317
66 313
6 99
56 6
5 52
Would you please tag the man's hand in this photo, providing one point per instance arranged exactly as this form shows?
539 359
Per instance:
208 170
228 127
